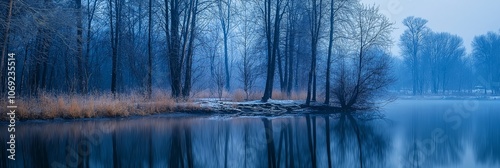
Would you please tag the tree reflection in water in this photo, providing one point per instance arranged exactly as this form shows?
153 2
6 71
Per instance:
430 138
361 141
487 137
294 141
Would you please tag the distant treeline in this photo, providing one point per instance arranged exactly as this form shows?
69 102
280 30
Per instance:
436 62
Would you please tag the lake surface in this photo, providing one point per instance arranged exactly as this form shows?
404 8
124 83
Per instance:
413 133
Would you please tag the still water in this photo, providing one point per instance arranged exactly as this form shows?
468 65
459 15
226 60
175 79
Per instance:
405 133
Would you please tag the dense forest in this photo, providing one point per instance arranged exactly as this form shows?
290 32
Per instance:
335 51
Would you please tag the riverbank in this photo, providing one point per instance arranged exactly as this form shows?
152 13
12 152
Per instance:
50 106
47 106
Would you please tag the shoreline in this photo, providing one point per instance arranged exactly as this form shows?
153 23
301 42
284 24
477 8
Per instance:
206 107
212 107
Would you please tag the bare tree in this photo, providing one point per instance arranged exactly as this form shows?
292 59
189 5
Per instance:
329 60
486 55
272 32
410 43
441 52
90 18
315 27
116 6
219 79
44 40
370 64
247 67
336 8
79 53
290 49
225 18
149 86
180 37
248 73
193 11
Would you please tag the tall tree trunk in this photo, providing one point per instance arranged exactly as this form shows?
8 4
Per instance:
270 67
272 47
311 76
90 17
313 99
173 43
115 28
315 30
43 76
329 59
189 58
23 71
415 74
290 46
276 43
149 86
280 71
79 51
226 61
291 56
284 81
225 21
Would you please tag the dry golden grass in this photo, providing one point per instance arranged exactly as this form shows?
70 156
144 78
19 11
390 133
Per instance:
161 103
278 95
24 108
74 110
301 95
50 106
255 95
239 95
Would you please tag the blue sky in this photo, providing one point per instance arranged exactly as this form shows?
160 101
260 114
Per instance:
465 18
